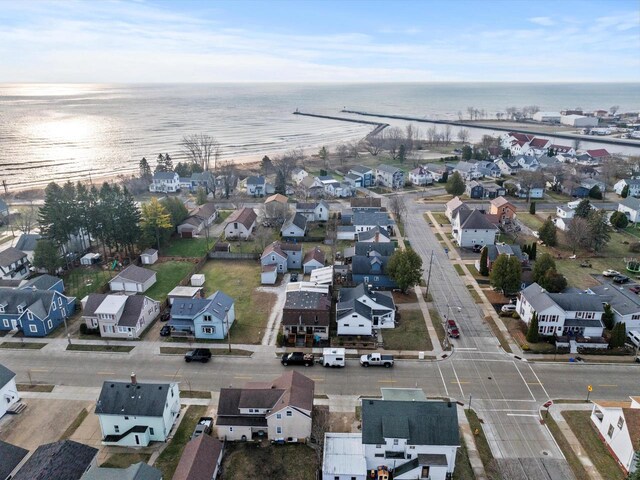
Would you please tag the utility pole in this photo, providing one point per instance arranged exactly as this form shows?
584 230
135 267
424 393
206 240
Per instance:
429 277
226 320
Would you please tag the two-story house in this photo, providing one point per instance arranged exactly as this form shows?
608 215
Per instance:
14 264
365 176
280 410
364 221
165 182
438 171
314 211
452 206
204 318
276 207
632 183
240 223
119 316
472 227
494 251
630 206
134 414
286 256
34 312
371 268
295 226
313 260
420 176
9 395
375 235
256 186
390 177
624 303
503 209
467 170
298 174
474 189
488 169
306 313
564 214
359 311
27 243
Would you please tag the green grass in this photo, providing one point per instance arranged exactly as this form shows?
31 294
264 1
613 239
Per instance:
440 218
239 279
194 394
567 451
534 222
474 294
463 470
27 387
248 460
222 216
439 237
482 445
169 276
71 429
170 456
99 348
215 351
23 345
459 269
82 281
496 331
581 426
410 334
187 247
437 324
125 459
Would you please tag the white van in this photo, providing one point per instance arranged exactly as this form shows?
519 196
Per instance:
333 357
633 337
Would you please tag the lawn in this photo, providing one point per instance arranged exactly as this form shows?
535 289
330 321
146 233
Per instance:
410 334
23 345
222 216
125 459
474 294
71 429
570 455
459 269
289 461
170 274
82 281
463 470
534 222
437 324
582 428
440 218
239 280
482 445
170 456
187 247
100 348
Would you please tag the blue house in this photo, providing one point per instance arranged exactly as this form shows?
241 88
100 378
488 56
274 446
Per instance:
203 317
44 282
360 176
370 270
35 312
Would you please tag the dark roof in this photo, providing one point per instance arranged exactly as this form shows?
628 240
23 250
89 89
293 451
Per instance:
573 302
421 423
372 234
388 168
38 301
361 264
11 456
62 460
255 180
245 216
11 255
93 302
297 219
27 242
631 202
125 398
199 459
314 254
43 282
135 274
348 302
304 300
371 218
360 169
291 247
137 471
493 251
205 211
475 219
132 309
580 322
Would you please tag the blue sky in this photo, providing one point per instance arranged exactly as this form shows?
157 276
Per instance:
327 41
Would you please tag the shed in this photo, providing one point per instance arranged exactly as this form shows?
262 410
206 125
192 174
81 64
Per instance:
149 256
269 274
197 280
184 292
90 259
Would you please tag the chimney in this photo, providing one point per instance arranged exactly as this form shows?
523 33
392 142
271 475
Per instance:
134 380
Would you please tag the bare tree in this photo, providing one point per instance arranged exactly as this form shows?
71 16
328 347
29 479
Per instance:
319 426
446 134
262 236
410 135
578 234
460 115
432 134
227 171
26 219
529 180
342 152
392 141
285 163
614 109
511 112
397 207
201 149
463 135
354 149
374 144
471 111
576 144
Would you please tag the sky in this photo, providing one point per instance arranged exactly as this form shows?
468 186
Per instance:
107 41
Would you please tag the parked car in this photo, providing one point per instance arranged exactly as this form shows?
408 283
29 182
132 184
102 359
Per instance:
610 273
165 316
377 360
165 331
635 289
452 329
476 248
198 355
620 279
203 427
294 277
508 308
297 358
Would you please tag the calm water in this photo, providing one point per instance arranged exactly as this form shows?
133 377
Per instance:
55 132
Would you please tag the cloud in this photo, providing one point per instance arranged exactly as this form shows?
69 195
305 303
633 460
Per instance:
544 21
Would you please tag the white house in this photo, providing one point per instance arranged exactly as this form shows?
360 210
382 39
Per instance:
564 214
133 279
133 414
119 316
619 426
165 182
467 170
364 221
472 227
360 311
27 243
313 259
149 256
420 176
452 206
574 314
536 191
390 177
294 226
314 211
240 224
9 395
630 206
14 264
624 303
298 175
256 186
437 171
269 274
375 235
539 146
343 457
632 183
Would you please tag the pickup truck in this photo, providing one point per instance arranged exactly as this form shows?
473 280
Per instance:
297 358
203 427
376 360
198 355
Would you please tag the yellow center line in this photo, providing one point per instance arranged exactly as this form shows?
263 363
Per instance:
607 385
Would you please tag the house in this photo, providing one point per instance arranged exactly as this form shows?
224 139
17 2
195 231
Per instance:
44 282
360 311
624 303
559 314
563 150
343 457
295 226
27 244
365 220
438 171
536 190
472 227
14 264
565 211
488 169
198 221
375 235
9 395
452 206
306 313
298 175
413 439
545 161
528 163
34 312
474 189
240 223
276 206
184 292
134 414
390 177
322 276
630 206
494 251
508 166
204 318
133 279
368 248
419 176
313 186
493 190
201 459
137 471
346 232
591 183
365 175
314 211
149 256
618 424
632 183
599 154
284 255
256 186
280 410
370 269
165 182
539 146
119 316
503 209
64 459
467 170
197 180
12 457
313 259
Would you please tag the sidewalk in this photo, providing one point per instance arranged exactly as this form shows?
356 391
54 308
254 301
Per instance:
472 451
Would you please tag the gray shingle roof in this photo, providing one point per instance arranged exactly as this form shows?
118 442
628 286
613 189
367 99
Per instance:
621 299
629 202
574 302
381 219
93 302
125 398
253 180
132 309
11 255
366 248
63 460
475 219
371 234
11 456
494 250
43 282
362 265
133 273
137 471
34 300
164 175
421 423
304 300
360 169
298 220
388 168
27 242
349 302
5 376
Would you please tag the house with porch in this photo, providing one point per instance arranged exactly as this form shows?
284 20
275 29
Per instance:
419 176
165 182
360 310
203 318
240 224
390 177
306 314
279 410
119 316
364 176
14 264
133 279
36 313
9 395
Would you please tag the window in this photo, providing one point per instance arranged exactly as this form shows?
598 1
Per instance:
208 330
151 431
610 431
50 324
29 315
33 329
635 317
116 428
60 301
208 318
279 430
126 418
620 422
289 413
395 441
231 429
379 455
53 305
278 416
5 322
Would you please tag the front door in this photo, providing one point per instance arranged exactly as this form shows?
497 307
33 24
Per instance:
14 324
137 439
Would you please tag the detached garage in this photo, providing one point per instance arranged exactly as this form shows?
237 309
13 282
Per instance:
133 279
269 274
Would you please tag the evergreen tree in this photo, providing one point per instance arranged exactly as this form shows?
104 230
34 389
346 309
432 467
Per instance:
323 154
455 185
145 169
534 251
155 220
160 164
595 193
184 169
506 274
47 256
625 192
608 317
553 282
532 208
402 153
533 335
618 335
484 258
599 229
619 220
583 208
168 163
201 196
405 268
176 210
548 233
281 183
542 265
444 178
636 474
128 232
266 165
467 152
526 249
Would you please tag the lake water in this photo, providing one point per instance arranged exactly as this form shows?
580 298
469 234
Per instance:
55 132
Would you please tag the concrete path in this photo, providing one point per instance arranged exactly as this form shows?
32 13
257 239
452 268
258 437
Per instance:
275 317
472 451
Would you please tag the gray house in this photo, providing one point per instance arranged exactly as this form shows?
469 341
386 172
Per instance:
390 177
14 264
137 471
295 226
474 189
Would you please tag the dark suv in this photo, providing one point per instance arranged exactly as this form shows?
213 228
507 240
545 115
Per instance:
198 355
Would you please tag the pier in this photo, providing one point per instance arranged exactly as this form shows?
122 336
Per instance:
379 126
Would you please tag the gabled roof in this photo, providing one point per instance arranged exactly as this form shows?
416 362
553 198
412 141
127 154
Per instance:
34 300
274 248
43 282
11 456
6 376
135 274
64 459
388 169
11 255
500 202
278 197
205 211
454 203
494 251
372 234
199 459
365 217
368 248
305 300
362 265
27 242
256 180
139 399
314 254
297 219
137 471
164 175
476 220
598 153
245 216
631 202
361 169
538 142
349 301
620 298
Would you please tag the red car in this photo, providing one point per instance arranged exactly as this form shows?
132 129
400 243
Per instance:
452 329
635 289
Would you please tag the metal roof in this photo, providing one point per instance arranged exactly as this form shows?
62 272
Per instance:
343 454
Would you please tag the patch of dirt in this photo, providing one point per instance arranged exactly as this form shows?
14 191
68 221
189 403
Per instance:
342 422
400 298
495 297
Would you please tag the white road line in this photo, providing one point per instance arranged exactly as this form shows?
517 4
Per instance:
505 410
466 348
466 359
458 380
446 390
524 381
522 415
538 379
